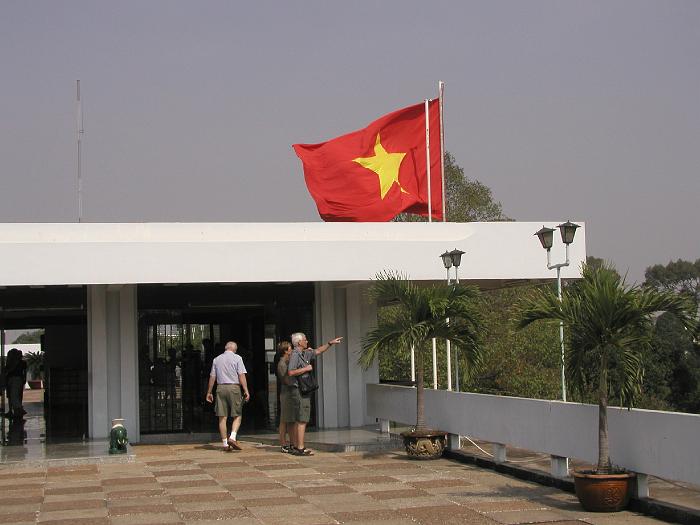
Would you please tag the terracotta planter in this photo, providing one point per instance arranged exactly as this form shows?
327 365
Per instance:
603 492
425 444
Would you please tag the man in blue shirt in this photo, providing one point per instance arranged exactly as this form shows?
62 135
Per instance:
228 372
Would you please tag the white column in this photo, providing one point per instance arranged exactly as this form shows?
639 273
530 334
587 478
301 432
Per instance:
368 321
353 341
328 412
114 369
129 353
98 411
342 372
112 359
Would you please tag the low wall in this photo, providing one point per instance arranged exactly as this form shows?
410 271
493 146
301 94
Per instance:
662 444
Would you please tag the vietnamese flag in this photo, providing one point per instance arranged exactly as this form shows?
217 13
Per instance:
373 174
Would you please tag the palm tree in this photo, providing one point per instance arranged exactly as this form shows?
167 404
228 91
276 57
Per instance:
417 314
609 325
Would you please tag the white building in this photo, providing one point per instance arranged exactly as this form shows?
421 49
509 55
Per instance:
134 313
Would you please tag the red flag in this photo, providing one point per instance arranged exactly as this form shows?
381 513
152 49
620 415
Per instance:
373 174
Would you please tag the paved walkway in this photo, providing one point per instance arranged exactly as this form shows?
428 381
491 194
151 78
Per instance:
260 485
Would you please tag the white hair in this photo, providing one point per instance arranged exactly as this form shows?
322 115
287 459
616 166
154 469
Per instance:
231 346
296 337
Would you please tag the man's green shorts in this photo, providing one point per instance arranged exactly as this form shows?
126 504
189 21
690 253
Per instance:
229 401
299 406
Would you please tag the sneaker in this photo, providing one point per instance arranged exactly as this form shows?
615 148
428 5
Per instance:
304 452
233 444
286 449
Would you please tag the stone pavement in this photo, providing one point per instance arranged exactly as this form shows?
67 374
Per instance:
260 485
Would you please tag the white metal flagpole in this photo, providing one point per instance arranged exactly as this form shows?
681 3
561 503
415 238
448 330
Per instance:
427 159
441 92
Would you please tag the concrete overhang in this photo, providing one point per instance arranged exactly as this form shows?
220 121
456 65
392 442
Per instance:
497 253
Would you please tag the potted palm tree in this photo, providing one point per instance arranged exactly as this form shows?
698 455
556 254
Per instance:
35 364
417 314
609 325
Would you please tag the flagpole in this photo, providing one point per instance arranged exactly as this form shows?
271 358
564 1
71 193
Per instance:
448 345
441 92
427 159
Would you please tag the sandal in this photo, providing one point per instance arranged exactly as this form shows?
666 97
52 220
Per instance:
304 452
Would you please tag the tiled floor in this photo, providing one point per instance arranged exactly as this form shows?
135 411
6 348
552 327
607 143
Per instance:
260 485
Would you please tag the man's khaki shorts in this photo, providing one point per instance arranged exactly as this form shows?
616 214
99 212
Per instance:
300 406
229 401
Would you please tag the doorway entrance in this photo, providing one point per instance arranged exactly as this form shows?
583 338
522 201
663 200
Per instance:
54 404
183 328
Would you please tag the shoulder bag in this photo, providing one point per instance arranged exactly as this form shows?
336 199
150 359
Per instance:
307 381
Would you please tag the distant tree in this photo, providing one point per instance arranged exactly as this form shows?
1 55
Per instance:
677 276
597 262
675 355
33 337
467 200
516 362
673 367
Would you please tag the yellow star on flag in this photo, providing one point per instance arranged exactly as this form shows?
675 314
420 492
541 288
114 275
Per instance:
386 165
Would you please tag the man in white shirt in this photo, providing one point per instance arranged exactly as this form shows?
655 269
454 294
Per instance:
228 372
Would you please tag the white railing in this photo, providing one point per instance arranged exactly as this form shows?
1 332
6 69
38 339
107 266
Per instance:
663 444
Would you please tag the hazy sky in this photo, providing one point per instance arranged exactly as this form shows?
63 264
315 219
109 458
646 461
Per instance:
586 110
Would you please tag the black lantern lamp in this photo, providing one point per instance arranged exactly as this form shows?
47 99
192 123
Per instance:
447 260
456 256
568 230
546 236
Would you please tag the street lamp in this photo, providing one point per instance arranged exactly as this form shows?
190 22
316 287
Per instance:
449 260
546 236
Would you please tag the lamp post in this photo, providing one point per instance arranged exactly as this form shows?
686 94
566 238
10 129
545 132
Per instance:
449 260
546 236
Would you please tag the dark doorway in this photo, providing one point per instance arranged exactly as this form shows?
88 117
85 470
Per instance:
182 328
56 405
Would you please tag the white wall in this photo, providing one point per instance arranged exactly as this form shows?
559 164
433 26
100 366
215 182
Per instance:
651 442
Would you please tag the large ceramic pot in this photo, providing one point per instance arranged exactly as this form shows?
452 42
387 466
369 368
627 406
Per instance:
603 492
424 444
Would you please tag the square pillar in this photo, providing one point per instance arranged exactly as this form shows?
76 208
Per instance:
98 405
384 426
112 359
641 488
559 467
499 453
454 442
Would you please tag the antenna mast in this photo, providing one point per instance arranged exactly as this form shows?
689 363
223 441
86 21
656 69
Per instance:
79 133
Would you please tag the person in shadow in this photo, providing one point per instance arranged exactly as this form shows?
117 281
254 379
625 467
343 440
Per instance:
16 434
15 376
